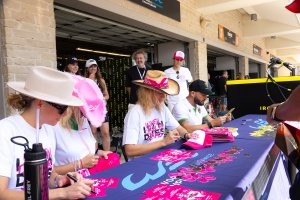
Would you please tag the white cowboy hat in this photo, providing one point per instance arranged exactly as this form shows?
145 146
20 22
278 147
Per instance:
158 80
48 84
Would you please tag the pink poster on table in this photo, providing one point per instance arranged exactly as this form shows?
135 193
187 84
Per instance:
101 184
177 192
173 155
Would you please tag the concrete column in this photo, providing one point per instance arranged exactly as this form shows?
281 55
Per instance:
29 37
3 69
198 55
263 69
244 65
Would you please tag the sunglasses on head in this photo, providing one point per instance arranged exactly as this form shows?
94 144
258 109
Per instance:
177 72
61 108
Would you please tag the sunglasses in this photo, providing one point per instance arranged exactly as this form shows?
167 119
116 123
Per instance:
61 108
179 59
177 72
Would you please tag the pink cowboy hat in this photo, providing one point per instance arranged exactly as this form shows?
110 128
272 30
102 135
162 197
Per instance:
158 80
94 107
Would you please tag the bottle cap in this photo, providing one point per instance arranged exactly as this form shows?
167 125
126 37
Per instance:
36 153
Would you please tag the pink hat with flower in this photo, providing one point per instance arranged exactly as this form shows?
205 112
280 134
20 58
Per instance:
94 107
158 80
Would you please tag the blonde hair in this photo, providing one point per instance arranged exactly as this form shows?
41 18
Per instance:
19 101
148 100
72 112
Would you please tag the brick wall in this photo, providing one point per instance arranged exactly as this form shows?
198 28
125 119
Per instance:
29 30
30 35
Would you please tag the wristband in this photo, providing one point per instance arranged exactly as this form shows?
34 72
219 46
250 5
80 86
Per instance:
209 124
273 114
56 181
184 136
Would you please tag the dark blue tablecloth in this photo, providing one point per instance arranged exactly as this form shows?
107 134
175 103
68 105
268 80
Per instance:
233 178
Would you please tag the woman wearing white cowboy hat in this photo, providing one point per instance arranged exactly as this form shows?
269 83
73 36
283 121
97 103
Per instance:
42 100
145 122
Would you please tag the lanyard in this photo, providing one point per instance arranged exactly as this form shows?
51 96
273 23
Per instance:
142 76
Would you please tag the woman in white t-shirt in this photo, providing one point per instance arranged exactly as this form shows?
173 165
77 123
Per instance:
182 76
145 123
43 99
75 143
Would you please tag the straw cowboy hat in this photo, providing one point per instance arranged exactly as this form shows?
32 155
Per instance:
48 84
157 80
94 105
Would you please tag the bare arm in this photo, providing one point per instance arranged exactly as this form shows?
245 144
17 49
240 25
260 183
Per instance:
63 169
9 194
105 91
289 110
191 128
79 190
142 149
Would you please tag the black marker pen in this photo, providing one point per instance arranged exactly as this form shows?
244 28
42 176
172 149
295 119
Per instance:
75 180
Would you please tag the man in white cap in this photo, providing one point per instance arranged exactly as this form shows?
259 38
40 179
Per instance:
182 76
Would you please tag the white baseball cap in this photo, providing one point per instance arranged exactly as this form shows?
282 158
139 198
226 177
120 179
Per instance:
90 62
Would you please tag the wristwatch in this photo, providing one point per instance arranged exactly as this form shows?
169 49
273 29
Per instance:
209 124
273 113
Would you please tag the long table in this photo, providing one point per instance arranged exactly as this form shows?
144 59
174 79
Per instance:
254 169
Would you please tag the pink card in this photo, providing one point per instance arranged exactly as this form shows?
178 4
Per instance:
177 192
101 184
100 192
106 182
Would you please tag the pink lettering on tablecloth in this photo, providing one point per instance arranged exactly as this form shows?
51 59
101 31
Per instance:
177 192
173 155
199 171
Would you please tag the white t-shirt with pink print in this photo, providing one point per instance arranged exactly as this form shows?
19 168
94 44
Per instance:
143 129
12 155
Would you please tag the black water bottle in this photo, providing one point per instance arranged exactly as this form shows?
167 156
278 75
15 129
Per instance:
36 173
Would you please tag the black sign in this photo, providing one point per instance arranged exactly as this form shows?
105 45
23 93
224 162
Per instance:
227 35
239 93
256 50
169 8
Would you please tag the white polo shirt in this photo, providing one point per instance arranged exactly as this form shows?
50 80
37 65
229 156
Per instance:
184 111
181 78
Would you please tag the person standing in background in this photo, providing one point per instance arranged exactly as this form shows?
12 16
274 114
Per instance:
92 71
72 65
182 76
136 72
222 91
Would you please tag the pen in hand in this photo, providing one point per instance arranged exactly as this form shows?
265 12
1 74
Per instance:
76 180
